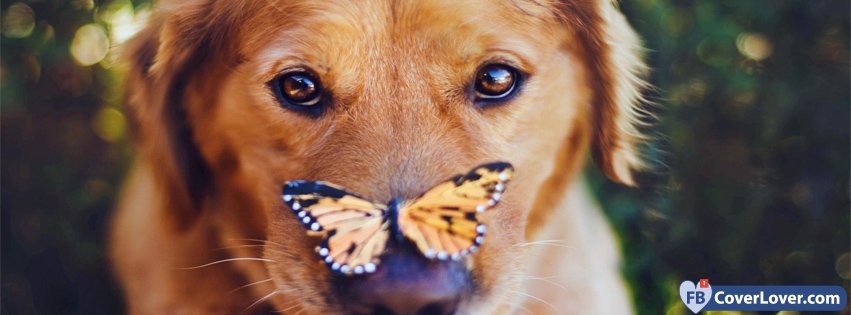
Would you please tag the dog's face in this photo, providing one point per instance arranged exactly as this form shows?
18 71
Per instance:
384 98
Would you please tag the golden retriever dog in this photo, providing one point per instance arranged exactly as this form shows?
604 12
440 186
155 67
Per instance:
231 99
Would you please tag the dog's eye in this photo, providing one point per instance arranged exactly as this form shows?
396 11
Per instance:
495 82
299 90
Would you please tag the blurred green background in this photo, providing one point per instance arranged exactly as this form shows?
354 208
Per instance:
751 150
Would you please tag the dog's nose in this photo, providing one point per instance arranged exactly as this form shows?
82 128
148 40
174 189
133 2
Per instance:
406 284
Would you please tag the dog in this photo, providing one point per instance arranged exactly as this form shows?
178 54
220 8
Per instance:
228 100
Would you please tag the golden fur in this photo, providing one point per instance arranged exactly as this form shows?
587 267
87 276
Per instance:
214 146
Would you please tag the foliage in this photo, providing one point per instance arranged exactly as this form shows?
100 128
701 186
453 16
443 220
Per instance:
64 151
751 148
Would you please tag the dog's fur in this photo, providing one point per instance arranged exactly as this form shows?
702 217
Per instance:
214 146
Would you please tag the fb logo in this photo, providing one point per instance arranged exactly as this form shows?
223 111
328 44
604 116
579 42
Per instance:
694 296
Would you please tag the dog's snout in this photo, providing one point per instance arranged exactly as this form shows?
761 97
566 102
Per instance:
407 284
429 300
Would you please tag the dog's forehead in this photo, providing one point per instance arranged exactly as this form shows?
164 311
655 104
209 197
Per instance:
323 34
366 13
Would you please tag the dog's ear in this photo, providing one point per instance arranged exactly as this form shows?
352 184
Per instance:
163 60
614 54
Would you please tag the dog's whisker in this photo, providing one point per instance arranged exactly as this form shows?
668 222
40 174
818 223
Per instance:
547 280
549 244
227 260
250 284
542 277
296 304
537 299
545 241
238 246
254 240
519 306
555 243
261 300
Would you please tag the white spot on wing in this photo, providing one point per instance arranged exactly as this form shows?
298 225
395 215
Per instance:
369 267
481 229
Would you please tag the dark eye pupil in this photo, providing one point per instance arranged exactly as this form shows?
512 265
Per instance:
495 80
299 88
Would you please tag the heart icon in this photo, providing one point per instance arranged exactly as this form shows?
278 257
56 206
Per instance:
694 297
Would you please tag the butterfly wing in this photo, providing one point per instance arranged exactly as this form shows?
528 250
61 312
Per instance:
443 222
354 230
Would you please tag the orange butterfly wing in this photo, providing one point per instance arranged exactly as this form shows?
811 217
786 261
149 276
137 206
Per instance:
355 231
444 223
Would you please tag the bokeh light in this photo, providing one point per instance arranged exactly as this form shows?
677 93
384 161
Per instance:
125 20
754 46
843 266
109 124
90 44
18 21
83 4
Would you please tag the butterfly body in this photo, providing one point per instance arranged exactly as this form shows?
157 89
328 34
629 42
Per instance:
442 223
393 217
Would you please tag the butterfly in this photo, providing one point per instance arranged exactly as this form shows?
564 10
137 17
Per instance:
443 222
